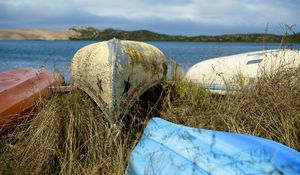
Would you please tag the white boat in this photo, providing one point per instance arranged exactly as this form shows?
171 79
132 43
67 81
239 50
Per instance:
114 73
228 73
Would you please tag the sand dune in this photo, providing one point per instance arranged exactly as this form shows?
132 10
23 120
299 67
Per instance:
35 34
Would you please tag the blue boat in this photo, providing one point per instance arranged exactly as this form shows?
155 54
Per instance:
168 148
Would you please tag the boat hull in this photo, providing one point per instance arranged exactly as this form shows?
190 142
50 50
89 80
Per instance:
168 148
21 89
115 72
231 73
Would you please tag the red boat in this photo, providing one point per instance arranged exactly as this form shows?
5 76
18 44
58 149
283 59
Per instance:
21 89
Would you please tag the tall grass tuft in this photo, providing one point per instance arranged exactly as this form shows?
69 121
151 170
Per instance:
69 135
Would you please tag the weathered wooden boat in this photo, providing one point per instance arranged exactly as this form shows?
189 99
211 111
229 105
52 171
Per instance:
21 89
168 148
230 73
114 73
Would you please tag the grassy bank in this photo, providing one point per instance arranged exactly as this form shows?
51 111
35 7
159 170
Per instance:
69 134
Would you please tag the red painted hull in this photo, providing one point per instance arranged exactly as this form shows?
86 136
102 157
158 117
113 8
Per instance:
21 89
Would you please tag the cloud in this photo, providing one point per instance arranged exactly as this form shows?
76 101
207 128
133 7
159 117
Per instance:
190 17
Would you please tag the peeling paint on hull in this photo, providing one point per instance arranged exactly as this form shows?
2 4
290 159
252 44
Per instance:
114 73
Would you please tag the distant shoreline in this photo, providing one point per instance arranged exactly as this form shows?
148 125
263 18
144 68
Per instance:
141 41
93 34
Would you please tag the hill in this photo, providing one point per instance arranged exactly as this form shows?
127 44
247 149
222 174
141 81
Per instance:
35 34
90 33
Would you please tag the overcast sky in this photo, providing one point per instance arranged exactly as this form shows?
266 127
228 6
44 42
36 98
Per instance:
185 17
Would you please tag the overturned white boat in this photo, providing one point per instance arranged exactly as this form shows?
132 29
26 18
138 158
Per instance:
233 72
115 72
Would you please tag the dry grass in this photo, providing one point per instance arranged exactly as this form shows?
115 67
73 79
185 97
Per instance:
269 109
70 135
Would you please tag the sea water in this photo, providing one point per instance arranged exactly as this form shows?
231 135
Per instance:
56 55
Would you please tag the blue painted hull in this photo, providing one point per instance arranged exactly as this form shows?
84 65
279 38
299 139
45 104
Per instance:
168 148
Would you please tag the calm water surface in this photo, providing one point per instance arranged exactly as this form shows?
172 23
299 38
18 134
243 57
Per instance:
58 54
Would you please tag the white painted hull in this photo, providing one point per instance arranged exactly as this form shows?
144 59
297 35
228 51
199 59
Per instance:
113 73
232 72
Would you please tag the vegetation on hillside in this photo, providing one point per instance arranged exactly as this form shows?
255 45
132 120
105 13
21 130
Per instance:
90 33
69 134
